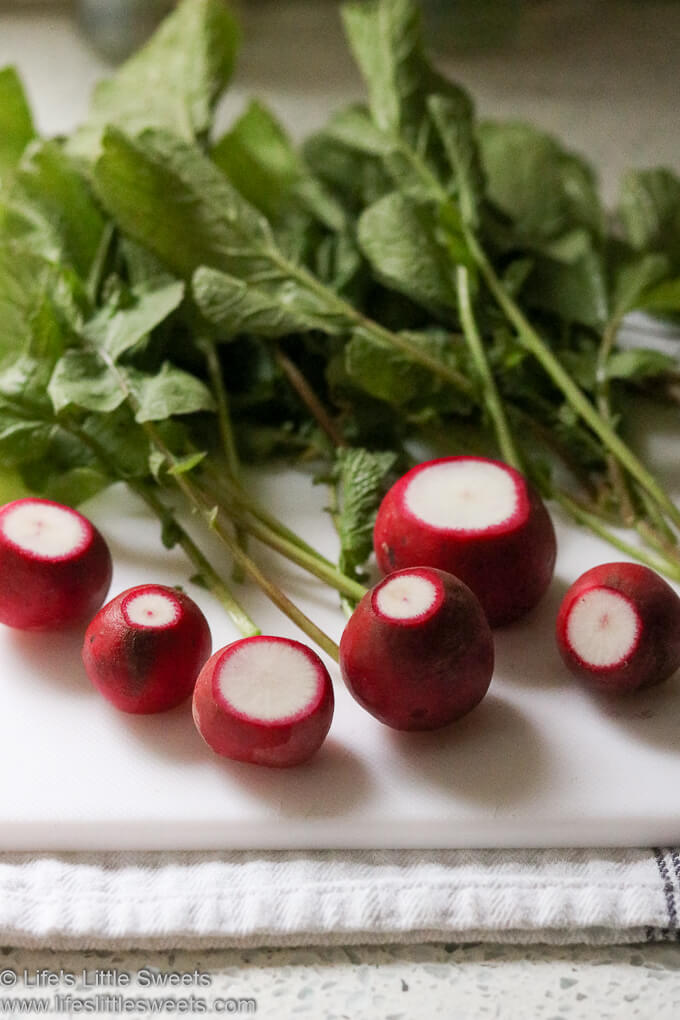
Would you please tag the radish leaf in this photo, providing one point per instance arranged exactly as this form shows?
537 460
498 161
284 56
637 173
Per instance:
173 82
398 236
51 208
545 189
363 478
117 330
168 392
259 159
277 308
16 122
649 208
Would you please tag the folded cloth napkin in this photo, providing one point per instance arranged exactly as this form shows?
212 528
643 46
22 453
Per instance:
173 900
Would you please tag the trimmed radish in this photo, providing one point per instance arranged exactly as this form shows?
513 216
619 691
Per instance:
618 628
417 652
477 519
265 700
145 648
55 565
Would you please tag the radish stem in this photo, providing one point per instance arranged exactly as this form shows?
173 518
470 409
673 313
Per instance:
273 592
214 582
591 520
235 494
223 415
207 345
493 402
603 393
308 397
312 563
374 330
580 403
210 515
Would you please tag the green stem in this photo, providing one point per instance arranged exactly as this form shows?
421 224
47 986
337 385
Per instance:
659 563
603 397
211 516
207 345
214 582
275 594
551 441
239 555
225 489
665 534
313 564
377 332
308 397
212 361
492 398
580 403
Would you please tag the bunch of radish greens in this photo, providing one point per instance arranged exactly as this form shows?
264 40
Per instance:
175 304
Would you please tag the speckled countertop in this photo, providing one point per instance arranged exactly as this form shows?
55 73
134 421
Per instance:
605 77
469 982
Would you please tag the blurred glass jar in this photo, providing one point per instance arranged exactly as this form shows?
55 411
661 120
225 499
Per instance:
117 27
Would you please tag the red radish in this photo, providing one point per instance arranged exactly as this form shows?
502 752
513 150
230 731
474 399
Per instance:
418 652
477 519
55 565
618 628
265 700
144 649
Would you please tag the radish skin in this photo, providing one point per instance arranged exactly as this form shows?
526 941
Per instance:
145 648
417 653
55 565
618 628
264 700
475 518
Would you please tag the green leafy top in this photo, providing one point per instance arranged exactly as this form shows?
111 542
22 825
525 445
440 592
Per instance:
363 477
173 82
168 300
16 122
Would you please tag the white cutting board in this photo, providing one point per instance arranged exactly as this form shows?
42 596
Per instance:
539 763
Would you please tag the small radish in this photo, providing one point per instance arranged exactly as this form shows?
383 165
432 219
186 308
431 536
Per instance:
265 700
54 564
144 649
618 628
477 519
418 652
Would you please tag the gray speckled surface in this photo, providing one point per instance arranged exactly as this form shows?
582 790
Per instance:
468 982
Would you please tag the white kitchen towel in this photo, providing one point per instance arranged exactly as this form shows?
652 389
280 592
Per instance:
170 900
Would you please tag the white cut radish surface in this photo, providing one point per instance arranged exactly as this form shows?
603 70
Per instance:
462 495
603 628
46 531
268 680
406 597
151 609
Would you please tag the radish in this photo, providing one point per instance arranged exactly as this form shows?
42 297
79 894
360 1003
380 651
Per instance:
418 652
55 565
477 519
265 700
144 649
618 628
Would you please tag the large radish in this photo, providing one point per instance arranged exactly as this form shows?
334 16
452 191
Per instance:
264 700
417 652
145 648
475 518
54 564
618 628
